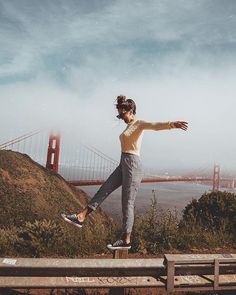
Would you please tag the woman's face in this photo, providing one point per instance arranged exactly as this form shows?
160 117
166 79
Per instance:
127 116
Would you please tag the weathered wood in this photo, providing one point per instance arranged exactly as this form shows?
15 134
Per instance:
199 258
120 253
78 282
170 277
179 272
219 280
216 273
81 263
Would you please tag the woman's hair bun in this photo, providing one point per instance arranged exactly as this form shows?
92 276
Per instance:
121 99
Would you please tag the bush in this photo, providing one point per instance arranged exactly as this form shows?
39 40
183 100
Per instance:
155 231
47 238
209 222
8 236
42 237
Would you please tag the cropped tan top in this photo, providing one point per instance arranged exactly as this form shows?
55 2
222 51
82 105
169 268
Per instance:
131 137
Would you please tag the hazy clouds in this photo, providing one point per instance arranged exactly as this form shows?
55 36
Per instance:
64 62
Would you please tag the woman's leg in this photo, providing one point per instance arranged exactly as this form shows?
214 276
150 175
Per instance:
111 184
132 175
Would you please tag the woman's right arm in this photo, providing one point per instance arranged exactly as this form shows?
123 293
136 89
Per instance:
163 125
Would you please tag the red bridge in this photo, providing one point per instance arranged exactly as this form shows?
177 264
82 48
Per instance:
85 165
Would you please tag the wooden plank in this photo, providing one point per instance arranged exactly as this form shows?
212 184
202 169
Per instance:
83 263
109 263
192 280
207 289
229 279
203 269
206 280
202 283
199 258
75 282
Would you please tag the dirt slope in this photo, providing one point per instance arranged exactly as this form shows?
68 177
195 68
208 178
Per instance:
28 191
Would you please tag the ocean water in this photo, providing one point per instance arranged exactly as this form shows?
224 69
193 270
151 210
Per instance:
169 195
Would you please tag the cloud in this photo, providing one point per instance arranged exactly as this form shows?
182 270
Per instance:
135 32
63 64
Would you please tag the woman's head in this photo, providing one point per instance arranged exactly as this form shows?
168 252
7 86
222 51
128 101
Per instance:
125 106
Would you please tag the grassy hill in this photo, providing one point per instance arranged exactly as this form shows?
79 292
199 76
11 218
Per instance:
29 193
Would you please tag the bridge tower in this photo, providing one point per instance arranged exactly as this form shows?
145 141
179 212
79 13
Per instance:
216 178
53 152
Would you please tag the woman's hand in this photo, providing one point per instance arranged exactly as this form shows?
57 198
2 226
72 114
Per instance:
180 124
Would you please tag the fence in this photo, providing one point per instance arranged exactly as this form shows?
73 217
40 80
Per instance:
174 273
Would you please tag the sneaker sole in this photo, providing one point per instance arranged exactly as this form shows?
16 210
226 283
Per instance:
117 248
71 222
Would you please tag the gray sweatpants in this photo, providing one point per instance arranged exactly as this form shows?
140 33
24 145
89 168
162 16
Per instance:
128 174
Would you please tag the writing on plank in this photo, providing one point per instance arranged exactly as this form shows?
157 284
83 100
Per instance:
80 279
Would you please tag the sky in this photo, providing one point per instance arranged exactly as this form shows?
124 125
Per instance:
63 63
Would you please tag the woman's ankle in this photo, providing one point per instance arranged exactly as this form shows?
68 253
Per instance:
127 237
80 217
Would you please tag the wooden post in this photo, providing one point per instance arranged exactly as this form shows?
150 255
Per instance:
216 274
119 254
170 276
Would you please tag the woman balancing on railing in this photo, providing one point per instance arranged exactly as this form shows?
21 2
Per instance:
129 172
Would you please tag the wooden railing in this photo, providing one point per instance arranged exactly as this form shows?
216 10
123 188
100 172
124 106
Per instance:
176 272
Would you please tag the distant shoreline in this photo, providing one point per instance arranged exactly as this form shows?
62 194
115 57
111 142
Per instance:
169 196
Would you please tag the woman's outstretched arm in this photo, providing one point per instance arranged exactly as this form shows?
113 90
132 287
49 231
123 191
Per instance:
180 124
163 125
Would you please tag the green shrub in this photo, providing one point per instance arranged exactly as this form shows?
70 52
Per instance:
155 231
209 222
206 223
47 238
8 236
42 237
214 211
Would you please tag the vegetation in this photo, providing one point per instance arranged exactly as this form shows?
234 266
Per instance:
32 199
47 238
209 222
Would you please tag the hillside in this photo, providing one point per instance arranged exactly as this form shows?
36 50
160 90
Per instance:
32 199
28 191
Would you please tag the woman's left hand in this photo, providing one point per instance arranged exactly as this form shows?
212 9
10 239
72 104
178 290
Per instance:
180 124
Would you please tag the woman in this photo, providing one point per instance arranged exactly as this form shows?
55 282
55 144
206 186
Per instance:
128 173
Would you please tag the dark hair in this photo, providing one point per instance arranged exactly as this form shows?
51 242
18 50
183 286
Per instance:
127 104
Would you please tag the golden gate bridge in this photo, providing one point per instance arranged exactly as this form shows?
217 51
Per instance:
86 165
82 164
